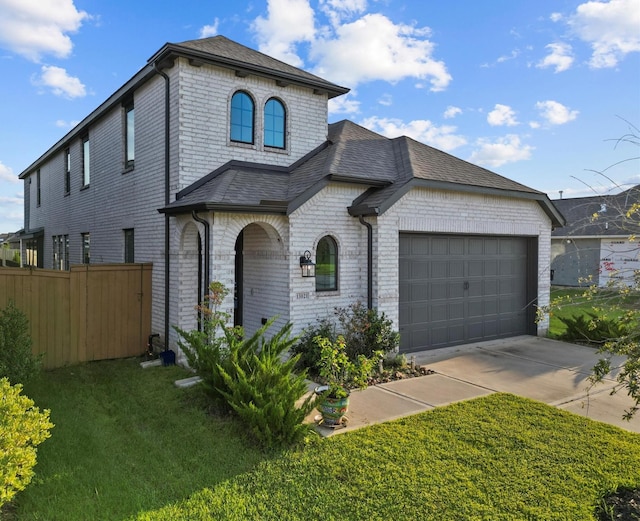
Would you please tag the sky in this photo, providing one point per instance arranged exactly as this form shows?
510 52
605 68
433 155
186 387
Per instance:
543 92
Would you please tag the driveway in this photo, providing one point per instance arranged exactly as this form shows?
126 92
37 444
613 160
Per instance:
546 370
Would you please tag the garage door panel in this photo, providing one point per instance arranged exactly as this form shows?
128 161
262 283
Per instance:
460 289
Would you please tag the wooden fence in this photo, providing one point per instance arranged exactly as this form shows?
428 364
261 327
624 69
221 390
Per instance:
92 312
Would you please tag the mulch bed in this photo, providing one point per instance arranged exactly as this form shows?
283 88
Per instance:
623 505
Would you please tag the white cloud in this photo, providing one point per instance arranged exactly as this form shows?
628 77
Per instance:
555 113
452 112
344 104
60 83
502 115
6 174
507 149
374 48
61 123
421 130
611 28
33 28
337 10
288 22
556 17
512 56
560 57
386 100
210 30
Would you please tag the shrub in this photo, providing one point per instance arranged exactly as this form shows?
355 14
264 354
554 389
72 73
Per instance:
22 428
17 362
365 331
592 329
264 391
307 347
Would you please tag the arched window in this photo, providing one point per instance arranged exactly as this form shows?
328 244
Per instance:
242 117
274 124
327 264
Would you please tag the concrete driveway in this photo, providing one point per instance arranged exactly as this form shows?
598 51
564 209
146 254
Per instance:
546 370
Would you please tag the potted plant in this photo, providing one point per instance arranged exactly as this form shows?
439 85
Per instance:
340 375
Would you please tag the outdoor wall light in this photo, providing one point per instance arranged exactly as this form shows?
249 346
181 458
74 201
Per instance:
307 265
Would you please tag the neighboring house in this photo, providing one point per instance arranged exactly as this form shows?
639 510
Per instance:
216 162
595 246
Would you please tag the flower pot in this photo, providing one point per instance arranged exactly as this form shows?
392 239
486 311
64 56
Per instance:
333 410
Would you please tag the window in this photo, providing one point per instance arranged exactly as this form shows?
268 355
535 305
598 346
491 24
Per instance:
129 135
274 124
327 265
38 191
242 118
60 252
129 255
86 162
67 170
86 248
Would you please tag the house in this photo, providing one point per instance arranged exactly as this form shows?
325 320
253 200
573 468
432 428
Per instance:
595 246
216 162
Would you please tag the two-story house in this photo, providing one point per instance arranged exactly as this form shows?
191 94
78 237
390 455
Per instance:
216 162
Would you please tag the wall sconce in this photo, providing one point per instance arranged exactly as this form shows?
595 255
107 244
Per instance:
307 265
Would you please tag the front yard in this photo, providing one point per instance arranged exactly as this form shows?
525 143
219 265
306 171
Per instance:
129 445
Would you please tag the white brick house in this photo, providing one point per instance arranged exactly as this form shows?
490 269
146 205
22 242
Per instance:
216 162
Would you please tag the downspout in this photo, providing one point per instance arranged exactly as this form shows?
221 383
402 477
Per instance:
369 262
204 223
166 202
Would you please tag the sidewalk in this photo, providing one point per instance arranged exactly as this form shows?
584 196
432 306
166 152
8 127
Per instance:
546 370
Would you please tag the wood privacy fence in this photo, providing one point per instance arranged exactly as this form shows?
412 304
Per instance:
92 312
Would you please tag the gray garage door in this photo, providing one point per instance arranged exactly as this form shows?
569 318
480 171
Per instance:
457 289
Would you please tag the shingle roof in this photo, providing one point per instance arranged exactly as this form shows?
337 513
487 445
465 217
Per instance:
221 51
388 167
600 215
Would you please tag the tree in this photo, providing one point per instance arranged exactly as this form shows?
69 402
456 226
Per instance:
616 304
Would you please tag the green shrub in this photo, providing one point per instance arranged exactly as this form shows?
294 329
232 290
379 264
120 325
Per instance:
592 329
365 331
308 349
22 428
17 362
264 391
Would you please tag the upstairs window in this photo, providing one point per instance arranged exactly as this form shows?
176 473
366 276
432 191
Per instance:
274 124
86 162
67 170
242 118
38 188
129 135
327 264
129 250
86 248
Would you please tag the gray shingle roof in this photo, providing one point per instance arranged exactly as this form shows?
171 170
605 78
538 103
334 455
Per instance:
388 167
221 51
611 219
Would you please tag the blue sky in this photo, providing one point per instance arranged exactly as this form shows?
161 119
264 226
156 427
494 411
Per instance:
537 91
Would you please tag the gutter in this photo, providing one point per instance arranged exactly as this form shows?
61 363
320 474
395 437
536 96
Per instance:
204 223
369 261
167 157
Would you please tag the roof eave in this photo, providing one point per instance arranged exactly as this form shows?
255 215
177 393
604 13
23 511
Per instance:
170 50
266 208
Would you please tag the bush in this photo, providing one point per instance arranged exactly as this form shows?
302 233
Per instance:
365 331
22 428
17 362
592 329
307 348
266 395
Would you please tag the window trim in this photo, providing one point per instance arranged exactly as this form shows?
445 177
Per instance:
231 118
335 279
283 128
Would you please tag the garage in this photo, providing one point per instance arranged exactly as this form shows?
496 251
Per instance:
456 289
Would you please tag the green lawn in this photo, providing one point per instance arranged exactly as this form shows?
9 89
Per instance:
579 304
129 445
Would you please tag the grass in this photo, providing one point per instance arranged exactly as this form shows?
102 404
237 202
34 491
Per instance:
577 304
129 445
